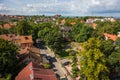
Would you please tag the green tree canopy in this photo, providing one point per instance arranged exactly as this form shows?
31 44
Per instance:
93 62
52 37
81 32
8 59
23 28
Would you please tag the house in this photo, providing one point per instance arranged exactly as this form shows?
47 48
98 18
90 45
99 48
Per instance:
8 37
25 41
94 25
72 23
118 34
89 20
57 15
21 41
35 72
6 26
62 22
110 36
29 54
65 29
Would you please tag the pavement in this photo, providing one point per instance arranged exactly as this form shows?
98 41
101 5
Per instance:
57 66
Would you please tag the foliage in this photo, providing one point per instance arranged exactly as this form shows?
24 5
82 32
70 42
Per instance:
75 70
8 60
81 32
52 37
4 31
93 62
107 47
47 66
23 28
112 54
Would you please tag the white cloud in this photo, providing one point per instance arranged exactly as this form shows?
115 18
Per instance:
73 7
4 8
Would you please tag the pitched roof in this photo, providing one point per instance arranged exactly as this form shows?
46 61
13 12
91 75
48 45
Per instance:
34 50
72 23
35 72
110 36
23 53
26 39
62 21
7 26
94 25
8 37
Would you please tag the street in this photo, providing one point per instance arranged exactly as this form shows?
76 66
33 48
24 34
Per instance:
57 67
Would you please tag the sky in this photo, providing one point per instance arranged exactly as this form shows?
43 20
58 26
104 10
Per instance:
63 7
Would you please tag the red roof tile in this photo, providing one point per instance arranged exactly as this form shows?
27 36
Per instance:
26 39
62 21
34 72
7 26
110 36
94 25
73 23
8 37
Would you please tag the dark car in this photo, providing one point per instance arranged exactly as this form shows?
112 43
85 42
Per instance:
66 63
48 56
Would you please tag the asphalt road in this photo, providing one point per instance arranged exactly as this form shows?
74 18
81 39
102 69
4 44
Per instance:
59 70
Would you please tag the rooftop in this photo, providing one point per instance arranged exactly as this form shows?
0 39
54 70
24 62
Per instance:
111 36
35 72
26 39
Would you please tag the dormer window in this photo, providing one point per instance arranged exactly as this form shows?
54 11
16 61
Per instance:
26 38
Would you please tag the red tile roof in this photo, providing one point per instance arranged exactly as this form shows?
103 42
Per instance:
26 39
62 21
7 26
8 37
73 23
24 51
110 36
34 72
94 25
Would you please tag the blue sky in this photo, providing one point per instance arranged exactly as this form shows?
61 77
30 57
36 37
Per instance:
63 7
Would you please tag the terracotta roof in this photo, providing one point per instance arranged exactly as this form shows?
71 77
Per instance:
7 26
110 36
34 72
94 25
8 37
26 39
62 21
34 50
24 51
72 23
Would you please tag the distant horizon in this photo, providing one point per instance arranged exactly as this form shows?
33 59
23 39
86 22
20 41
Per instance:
61 15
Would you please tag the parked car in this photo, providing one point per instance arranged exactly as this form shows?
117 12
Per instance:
48 56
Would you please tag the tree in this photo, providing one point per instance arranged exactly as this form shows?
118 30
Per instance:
52 37
93 62
81 32
107 47
23 28
75 70
8 60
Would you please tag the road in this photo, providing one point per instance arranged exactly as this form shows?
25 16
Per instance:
60 71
